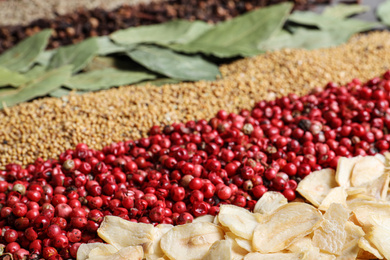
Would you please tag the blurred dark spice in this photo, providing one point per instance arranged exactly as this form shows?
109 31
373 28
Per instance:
77 26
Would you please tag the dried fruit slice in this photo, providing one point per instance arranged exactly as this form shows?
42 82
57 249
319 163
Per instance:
275 256
381 158
344 170
190 241
379 237
285 225
245 244
366 170
369 214
85 249
220 250
238 252
105 250
366 246
205 218
301 245
378 188
317 185
269 202
152 249
335 195
122 233
126 253
240 221
331 235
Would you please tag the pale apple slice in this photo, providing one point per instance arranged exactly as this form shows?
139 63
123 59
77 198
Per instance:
237 251
126 253
366 170
317 185
335 195
205 218
344 170
331 235
190 241
152 249
368 247
123 233
269 202
105 250
239 220
85 249
284 226
379 237
220 250
378 188
274 256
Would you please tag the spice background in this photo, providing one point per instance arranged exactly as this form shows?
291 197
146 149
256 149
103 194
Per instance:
46 127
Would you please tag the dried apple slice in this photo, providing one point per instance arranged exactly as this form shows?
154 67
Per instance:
123 233
269 202
317 185
366 170
378 188
105 250
369 214
331 235
220 250
153 250
190 241
284 226
126 253
240 221
379 237
85 249
245 244
205 218
335 195
237 252
344 170
366 246
274 256
303 244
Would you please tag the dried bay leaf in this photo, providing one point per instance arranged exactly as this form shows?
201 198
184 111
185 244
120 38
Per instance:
241 35
331 23
344 10
383 12
23 55
180 31
60 92
45 57
106 46
306 39
11 78
78 55
106 78
37 87
174 65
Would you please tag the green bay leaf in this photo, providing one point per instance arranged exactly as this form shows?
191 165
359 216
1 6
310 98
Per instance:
45 57
106 46
160 82
77 55
331 23
241 35
307 39
383 12
60 92
181 31
23 55
106 78
174 65
11 78
344 10
37 87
